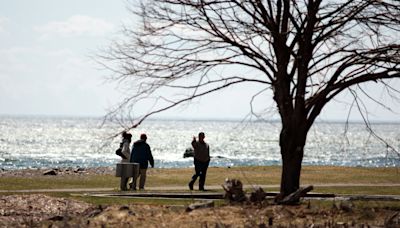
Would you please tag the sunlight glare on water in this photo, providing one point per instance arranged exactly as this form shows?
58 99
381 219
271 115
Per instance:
27 142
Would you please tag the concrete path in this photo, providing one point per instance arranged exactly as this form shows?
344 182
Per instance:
185 188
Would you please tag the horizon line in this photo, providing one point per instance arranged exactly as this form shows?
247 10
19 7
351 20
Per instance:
232 119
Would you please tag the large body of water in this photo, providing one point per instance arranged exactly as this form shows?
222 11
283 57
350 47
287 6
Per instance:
39 142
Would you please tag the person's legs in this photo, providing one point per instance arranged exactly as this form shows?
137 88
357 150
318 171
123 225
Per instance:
123 183
196 174
191 183
129 182
203 174
142 178
134 181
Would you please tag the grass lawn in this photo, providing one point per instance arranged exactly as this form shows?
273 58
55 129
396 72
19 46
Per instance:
254 175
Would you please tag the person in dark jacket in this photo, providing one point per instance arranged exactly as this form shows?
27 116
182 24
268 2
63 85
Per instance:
141 153
201 161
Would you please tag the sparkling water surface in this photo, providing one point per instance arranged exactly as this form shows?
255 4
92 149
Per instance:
41 142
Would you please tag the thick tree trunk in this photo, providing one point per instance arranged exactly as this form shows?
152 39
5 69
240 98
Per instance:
292 141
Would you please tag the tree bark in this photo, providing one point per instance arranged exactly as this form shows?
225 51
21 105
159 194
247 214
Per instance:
292 141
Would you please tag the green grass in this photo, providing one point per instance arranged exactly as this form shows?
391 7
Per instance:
334 174
268 175
55 182
364 190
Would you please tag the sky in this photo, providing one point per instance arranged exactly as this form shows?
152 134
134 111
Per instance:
46 65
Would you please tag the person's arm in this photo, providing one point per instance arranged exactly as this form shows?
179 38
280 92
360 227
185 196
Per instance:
208 151
132 153
151 159
194 143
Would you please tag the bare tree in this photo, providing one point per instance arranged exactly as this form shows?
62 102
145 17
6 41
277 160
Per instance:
305 52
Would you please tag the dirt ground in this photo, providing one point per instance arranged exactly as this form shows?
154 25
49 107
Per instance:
38 210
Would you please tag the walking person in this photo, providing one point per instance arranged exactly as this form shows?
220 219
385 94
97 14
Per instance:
141 153
201 161
125 150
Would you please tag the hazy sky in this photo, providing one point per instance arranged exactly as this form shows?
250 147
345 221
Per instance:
45 64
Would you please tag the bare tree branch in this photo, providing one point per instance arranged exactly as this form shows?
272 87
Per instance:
305 52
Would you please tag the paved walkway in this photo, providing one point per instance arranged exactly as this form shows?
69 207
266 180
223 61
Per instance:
185 188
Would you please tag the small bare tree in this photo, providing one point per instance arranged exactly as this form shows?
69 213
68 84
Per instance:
305 52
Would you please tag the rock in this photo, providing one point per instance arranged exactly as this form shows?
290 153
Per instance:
93 212
124 208
51 172
346 206
218 156
56 218
79 169
270 221
189 152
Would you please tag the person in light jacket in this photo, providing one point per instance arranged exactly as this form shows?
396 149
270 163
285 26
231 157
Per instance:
125 145
126 141
141 153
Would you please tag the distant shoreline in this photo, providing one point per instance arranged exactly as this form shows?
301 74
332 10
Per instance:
112 166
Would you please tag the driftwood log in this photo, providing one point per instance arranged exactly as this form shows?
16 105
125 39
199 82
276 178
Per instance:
294 198
194 206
